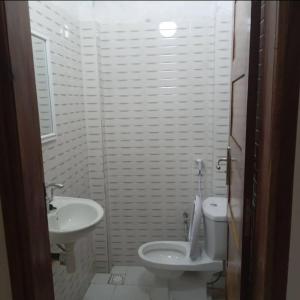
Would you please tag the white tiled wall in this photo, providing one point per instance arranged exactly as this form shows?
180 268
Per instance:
222 87
42 84
157 106
157 121
65 159
94 117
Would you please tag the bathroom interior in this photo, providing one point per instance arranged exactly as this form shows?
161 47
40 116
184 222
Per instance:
134 107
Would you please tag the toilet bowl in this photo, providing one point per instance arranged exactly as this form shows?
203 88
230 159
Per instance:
169 259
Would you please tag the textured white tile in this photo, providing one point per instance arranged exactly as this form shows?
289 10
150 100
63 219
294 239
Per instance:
99 292
131 293
139 276
93 118
101 278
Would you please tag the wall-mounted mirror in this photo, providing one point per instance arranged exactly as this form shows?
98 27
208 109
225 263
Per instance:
43 83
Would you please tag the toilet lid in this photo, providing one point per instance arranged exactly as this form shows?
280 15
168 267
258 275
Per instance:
215 208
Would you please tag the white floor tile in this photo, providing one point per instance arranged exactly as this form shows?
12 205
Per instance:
99 292
189 286
117 269
141 284
188 280
131 293
100 278
188 293
159 294
139 276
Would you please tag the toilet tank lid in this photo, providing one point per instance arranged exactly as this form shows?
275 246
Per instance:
215 208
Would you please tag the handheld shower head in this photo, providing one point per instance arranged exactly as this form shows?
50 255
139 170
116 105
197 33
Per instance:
200 166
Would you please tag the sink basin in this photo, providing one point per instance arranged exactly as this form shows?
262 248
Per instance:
72 219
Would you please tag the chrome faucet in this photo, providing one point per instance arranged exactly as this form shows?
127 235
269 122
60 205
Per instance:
223 159
52 187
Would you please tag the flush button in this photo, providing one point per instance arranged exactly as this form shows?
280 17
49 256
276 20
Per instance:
213 204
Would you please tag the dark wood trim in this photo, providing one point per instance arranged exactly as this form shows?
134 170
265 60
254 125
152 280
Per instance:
248 212
21 181
280 92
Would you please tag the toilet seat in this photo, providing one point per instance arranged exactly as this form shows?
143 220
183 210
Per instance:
174 256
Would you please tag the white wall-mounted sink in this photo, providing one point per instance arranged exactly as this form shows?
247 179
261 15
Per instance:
72 219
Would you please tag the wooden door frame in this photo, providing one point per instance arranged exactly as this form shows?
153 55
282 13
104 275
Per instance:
265 251
279 109
21 165
250 149
252 96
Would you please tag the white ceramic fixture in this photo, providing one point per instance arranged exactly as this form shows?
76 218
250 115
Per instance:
215 227
169 259
72 219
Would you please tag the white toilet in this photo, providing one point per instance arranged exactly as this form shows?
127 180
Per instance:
169 259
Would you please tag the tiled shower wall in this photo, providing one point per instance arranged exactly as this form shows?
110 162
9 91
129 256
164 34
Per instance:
222 88
65 159
94 118
153 106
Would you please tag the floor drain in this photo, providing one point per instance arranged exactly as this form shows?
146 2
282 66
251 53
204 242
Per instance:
117 279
